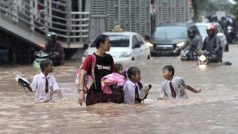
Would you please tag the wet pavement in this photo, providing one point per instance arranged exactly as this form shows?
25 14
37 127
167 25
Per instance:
213 111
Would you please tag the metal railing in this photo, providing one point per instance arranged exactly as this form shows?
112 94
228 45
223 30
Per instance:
48 15
172 11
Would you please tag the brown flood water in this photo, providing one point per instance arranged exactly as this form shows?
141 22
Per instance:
213 111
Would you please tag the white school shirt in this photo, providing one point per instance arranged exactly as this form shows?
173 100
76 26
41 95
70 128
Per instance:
129 92
179 87
38 86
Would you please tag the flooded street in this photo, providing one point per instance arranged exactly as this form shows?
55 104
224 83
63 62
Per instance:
213 111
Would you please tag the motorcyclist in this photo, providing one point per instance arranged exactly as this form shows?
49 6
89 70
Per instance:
54 49
212 45
192 45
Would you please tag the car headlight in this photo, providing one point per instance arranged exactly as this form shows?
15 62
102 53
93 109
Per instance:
149 44
181 44
125 54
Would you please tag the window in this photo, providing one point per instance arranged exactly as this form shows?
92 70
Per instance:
170 32
139 40
134 40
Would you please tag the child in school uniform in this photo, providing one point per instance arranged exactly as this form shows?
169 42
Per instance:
133 86
44 85
174 87
112 84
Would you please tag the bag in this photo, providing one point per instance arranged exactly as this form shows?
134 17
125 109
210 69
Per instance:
117 93
89 78
23 82
142 94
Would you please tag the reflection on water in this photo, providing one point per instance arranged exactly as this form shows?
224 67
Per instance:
211 111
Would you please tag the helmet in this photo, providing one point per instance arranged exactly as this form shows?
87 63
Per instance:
191 32
214 18
212 28
50 35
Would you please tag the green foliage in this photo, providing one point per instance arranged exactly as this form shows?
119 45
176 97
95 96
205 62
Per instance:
202 5
235 8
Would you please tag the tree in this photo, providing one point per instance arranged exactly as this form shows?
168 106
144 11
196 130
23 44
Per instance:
235 9
202 5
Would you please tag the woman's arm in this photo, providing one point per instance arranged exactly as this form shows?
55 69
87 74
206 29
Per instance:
81 86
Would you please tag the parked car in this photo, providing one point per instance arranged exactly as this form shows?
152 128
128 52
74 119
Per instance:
125 47
169 38
202 27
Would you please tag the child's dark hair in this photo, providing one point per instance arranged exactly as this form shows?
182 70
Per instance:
170 68
100 39
44 64
118 67
132 71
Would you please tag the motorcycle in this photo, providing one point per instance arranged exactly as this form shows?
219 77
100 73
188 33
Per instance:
206 58
188 55
40 56
232 35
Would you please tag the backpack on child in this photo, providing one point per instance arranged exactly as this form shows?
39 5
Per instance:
117 93
113 84
89 78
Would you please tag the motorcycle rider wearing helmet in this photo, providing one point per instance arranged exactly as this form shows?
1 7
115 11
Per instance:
192 45
54 49
212 45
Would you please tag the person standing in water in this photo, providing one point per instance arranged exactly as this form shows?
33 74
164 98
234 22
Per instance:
44 85
104 65
174 87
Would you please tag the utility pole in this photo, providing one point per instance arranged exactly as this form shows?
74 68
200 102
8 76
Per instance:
195 10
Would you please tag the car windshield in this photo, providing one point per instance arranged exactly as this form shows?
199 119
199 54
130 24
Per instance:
171 32
203 30
117 41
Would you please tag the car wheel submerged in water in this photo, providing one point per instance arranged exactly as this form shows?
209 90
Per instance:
148 57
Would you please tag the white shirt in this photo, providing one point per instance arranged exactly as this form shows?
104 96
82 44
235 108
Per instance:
38 87
179 87
129 92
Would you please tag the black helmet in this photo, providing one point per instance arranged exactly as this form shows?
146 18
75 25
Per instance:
214 18
191 32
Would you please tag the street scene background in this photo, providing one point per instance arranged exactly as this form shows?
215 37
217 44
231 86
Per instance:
214 110
25 24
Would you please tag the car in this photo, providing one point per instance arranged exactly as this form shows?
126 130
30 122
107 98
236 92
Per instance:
202 27
169 38
125 47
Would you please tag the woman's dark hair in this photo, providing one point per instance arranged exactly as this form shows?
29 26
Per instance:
170 68
118 67
132 71
44 64
101 38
